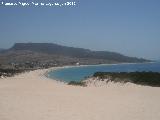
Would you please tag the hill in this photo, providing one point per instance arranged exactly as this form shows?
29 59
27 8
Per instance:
50 48
1 49
49 53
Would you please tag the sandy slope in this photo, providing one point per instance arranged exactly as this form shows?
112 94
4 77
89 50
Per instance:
31 96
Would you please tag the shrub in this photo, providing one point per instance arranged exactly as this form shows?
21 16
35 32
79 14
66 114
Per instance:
77 83
141 78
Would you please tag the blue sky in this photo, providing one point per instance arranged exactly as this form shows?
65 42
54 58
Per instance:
131 27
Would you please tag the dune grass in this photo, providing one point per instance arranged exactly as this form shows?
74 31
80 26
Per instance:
141 78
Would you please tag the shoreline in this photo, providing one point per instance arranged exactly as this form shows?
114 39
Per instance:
74 66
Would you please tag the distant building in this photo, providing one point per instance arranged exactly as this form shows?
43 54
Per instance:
77 63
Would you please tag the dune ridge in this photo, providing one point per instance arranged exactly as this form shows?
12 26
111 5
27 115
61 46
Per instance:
33 96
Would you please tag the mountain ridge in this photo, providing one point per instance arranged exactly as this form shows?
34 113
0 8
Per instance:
51 48
44 55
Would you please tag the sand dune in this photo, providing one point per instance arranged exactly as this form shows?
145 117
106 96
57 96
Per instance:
32 96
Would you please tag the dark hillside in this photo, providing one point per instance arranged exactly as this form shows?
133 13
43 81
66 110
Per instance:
50 48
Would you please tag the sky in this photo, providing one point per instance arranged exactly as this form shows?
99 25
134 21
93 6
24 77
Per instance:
130 27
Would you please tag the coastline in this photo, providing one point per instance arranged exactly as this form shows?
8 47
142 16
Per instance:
74 66
33 96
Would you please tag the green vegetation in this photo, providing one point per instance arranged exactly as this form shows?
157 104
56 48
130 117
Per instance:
141 78
77 83
10 72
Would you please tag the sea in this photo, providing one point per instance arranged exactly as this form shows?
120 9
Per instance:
82 72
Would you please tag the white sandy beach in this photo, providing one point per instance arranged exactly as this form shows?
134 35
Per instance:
32 96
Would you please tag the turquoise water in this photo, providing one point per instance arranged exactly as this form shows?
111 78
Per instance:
80 73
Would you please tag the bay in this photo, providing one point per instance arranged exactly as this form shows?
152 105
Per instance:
81 72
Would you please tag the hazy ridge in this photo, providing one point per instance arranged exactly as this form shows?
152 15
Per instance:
50 54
